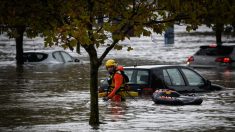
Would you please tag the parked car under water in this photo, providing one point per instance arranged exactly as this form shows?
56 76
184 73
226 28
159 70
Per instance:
48 56
213 56
147 79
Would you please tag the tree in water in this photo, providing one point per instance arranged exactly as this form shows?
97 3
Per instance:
216 14
93 24
28 18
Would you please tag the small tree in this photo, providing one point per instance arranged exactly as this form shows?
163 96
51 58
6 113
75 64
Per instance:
220 16
217 14
28 18
91 23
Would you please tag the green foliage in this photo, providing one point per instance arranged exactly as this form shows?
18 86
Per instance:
120 17
211 13
78 19
36 16
129 48
118 47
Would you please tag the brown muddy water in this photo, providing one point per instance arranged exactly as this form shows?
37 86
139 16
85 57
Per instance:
45 98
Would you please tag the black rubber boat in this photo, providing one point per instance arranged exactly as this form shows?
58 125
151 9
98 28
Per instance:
169 97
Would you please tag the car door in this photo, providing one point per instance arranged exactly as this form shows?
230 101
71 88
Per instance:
174 80
194 81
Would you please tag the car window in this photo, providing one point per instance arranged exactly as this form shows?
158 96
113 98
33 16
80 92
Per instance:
215 51
193 78
142 77
173 77
130 74
137 76
58 56
34 57
67 57
166 78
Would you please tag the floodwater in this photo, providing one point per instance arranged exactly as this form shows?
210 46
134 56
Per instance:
51 98
56 98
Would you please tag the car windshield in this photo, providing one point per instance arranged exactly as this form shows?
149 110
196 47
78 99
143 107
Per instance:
67 57
215 51
137 76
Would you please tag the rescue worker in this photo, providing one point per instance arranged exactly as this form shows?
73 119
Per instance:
116 81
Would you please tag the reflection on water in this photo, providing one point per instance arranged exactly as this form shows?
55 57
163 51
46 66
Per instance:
223 77
56 98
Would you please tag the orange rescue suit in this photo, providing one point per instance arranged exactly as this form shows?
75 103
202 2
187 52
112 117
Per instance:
117 83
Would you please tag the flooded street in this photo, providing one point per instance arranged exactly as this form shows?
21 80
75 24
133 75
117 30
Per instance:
56 98
50 98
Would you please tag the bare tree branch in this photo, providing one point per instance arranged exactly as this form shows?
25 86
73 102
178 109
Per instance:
107 50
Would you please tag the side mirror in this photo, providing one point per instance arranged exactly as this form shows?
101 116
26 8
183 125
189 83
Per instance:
101 81
76 60
206 85
208 82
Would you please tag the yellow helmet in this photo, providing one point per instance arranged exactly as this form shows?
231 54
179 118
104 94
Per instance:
110 63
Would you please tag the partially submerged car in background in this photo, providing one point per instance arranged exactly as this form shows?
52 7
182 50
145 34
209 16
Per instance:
147 79
213 56
48 56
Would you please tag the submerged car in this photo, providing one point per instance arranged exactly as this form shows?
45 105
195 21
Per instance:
213 56
48 56
147 79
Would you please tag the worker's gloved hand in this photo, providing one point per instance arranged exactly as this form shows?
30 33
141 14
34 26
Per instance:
105 98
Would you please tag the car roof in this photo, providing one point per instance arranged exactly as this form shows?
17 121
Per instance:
214 45
150 66
41 51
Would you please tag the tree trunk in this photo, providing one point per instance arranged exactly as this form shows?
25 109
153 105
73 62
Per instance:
19 45
219 30
94 67
78 50
94 115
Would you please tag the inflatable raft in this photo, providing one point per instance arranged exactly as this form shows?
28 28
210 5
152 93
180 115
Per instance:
123 93
169 97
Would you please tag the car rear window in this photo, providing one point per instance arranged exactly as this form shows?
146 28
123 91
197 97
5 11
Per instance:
34 57
137 76
215 51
